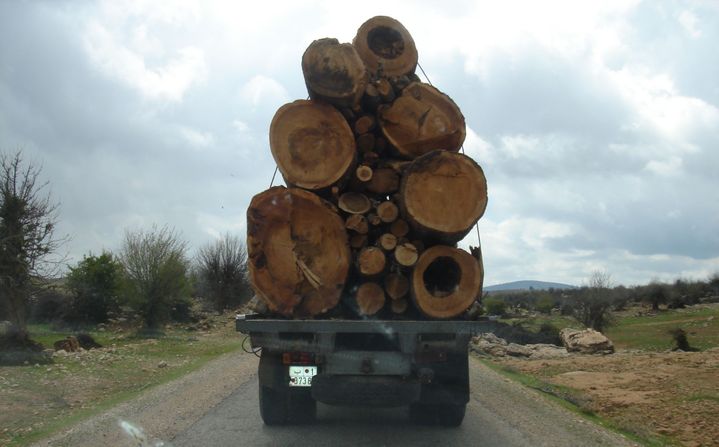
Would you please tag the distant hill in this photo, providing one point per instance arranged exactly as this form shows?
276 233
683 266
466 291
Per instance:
526 285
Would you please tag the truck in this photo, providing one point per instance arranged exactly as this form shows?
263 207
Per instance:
381 363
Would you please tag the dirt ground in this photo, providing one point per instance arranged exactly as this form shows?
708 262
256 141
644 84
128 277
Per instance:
675 394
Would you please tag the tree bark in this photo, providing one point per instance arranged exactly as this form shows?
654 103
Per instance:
312 144
423 119
445 281
442 195
369 298
334 72
386 47
298 252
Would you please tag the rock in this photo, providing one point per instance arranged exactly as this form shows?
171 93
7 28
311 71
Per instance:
545 351
162 364
587 341
70 344
516 350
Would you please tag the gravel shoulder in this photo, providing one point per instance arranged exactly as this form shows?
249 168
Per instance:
165 410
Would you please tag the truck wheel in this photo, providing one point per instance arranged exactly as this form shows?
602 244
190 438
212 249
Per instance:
423 414
273 406
303 409
451 415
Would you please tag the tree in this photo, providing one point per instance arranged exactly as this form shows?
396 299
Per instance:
156 268
495 306
27 235
95 284
222 270
593 307
656 294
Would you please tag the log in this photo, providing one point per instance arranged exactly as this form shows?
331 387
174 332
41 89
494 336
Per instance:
358 240
312 144
406 254
371 99
387 211
445 281
421 120
354 203
385 90
399 228
396 285
388 241
363 173
366 142
442 195
364 124
298 252
399 306
386 47
384 181
374 219
371 261
334 72
369 298
357 223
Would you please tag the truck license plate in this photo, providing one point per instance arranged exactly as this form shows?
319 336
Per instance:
302 375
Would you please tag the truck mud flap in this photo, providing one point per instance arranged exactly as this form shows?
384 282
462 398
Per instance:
370 391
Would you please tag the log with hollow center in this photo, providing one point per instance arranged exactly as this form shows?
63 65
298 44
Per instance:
386 46
298 252
445 281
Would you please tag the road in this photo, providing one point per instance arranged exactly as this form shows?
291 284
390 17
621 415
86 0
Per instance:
190 412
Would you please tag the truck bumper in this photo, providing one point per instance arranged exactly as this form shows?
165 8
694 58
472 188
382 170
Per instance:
371 391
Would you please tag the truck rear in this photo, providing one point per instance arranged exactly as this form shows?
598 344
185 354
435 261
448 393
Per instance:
380 363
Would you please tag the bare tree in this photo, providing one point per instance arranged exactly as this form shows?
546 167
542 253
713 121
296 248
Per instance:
222 269
156 267
28 219
593 308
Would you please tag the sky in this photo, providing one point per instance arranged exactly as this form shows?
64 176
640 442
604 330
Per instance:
596 123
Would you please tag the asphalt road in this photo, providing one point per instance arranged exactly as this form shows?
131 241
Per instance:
500 413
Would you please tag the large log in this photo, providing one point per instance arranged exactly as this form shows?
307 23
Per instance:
334 72
442 195
386 47
445 281
421 120
298 251
312 144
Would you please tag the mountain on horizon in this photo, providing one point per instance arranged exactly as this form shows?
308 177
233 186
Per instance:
527 285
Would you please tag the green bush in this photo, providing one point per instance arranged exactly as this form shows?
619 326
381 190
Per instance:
95 284
545 304
495 306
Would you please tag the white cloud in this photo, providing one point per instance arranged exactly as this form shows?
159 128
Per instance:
669 168
168 79
264 91
197 138
690 23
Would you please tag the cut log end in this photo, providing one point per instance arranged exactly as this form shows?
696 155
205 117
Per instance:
388 241
406 254
357 223
443 194
371 261
386 47
445 281
399 306
312 144
396 285
354 203
298 253
369 298
334 72
363 173
387 211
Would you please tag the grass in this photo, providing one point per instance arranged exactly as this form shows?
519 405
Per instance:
651 333
534 322
38 400
574 401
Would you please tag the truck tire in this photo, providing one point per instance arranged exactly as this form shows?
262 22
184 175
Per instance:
446 415
273 406
451 415
302 408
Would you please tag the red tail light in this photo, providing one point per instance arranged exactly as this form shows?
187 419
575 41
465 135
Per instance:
298 358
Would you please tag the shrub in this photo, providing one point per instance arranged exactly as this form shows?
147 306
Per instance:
95 284
495 306
545 304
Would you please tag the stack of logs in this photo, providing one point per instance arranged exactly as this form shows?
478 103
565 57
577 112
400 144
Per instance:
378 194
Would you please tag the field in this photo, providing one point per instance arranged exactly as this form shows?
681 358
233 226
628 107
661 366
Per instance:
655 395
36 400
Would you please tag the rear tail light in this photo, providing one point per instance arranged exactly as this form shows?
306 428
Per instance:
298 358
